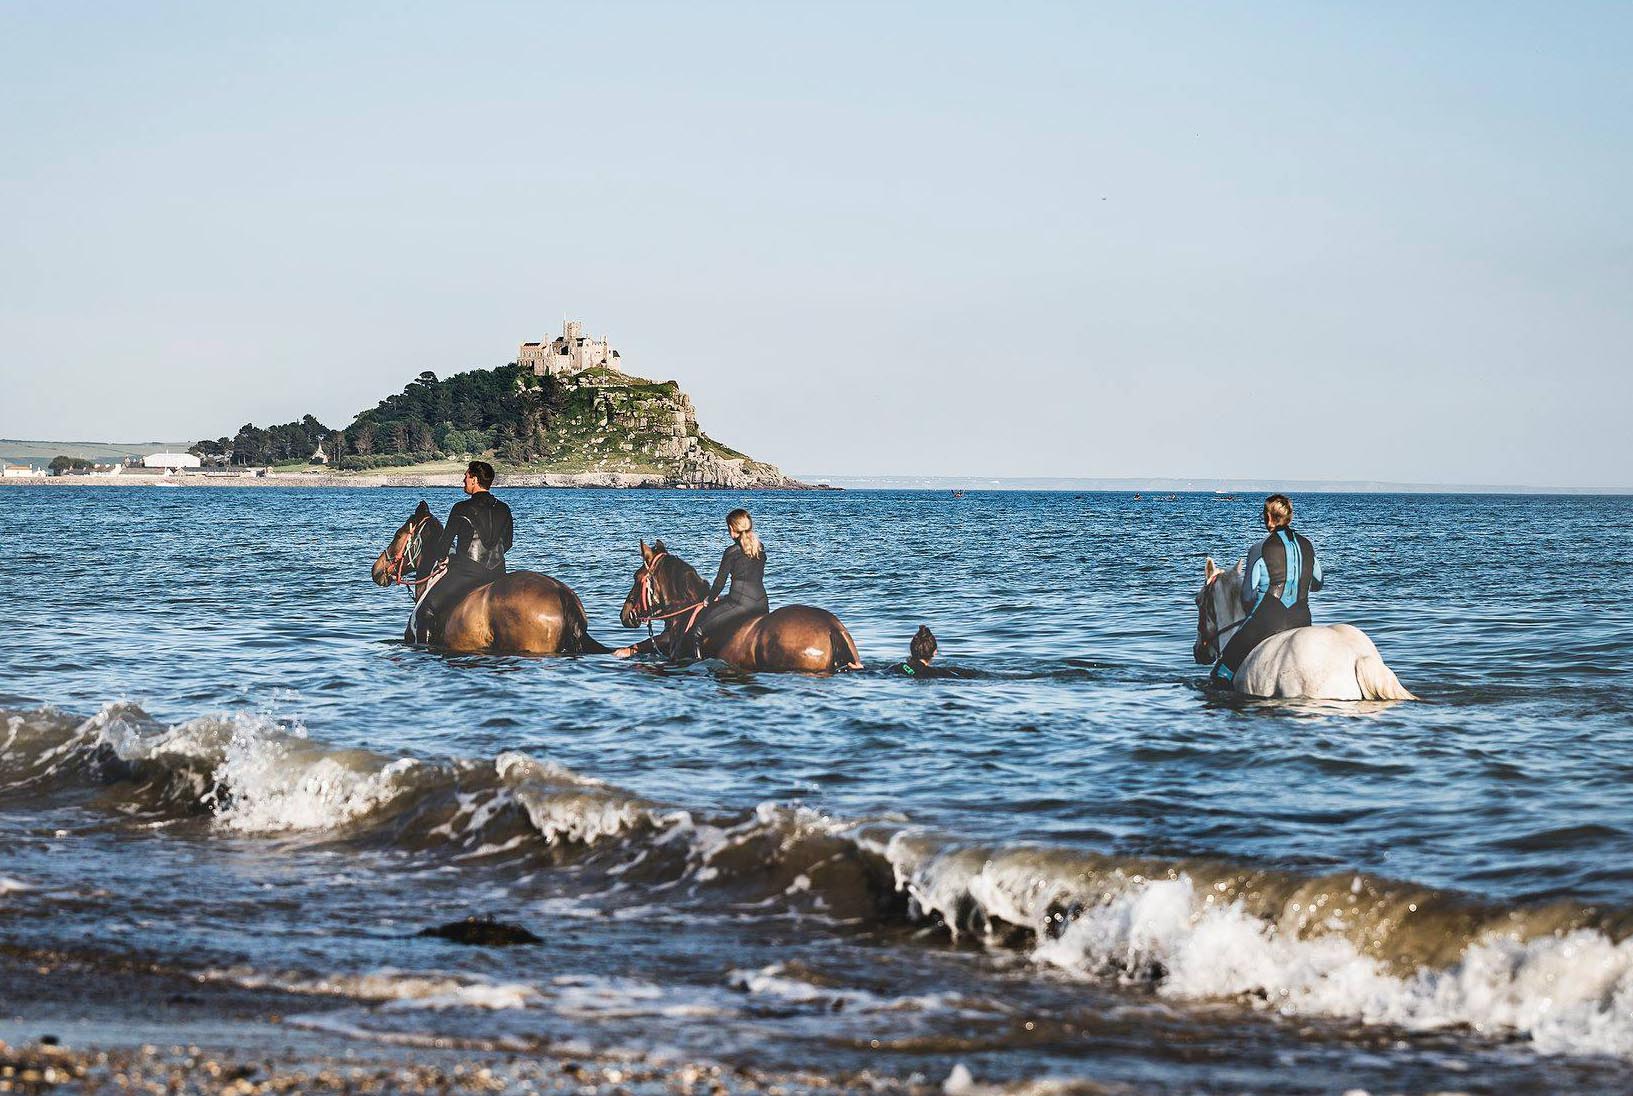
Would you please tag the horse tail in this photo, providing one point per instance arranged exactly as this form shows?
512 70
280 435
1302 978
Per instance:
579 628
1377 681
846 656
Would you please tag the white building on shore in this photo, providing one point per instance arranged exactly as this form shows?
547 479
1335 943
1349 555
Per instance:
170 461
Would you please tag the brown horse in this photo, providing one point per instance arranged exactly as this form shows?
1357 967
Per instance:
522 612
794 637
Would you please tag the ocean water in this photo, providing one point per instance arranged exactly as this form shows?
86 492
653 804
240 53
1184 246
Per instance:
1069 864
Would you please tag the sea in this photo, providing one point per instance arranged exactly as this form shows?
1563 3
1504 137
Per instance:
1070 867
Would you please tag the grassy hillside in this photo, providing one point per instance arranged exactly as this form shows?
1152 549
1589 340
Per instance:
14 451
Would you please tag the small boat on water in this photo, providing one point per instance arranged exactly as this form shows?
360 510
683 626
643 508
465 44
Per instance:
958 494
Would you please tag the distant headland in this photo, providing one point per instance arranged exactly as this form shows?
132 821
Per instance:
564 413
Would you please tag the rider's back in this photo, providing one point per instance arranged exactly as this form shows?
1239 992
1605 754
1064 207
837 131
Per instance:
480 531
747 575
1283 566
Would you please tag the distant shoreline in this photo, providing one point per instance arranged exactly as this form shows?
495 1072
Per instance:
405 476
1172 485
637 482
632 481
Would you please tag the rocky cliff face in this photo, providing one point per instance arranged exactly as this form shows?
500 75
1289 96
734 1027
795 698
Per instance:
613 423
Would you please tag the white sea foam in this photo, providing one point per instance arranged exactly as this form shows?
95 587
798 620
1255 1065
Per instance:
257 776
8 885
566 807
273 788
1569 993
594 996
393 989
778 982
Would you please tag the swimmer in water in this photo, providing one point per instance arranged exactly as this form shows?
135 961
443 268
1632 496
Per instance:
920 653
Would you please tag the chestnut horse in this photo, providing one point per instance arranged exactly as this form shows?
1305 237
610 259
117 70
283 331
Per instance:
521 612
794 637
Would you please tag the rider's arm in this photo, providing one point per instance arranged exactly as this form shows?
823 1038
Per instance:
720 576
1255 577
458 523
509 534
1316 580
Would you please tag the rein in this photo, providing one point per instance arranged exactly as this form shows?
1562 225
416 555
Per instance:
1209 630
646 611
409 557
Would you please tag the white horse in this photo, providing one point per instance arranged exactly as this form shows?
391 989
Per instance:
1323 662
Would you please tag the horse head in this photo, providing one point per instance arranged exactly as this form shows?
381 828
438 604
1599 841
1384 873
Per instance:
1219 610
663 582
406 552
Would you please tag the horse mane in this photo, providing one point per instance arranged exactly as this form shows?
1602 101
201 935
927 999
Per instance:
430 536
687 583
1229 581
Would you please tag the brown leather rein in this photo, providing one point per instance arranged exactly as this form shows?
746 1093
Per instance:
645 609
408 557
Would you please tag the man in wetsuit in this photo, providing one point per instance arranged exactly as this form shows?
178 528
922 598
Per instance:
1281 571
474 542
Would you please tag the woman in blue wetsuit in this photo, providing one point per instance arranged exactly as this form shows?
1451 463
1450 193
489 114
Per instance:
1281 571
744 565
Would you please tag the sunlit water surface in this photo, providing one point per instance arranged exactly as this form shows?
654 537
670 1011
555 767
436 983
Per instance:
1069 862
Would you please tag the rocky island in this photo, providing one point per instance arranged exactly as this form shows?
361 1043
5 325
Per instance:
565 413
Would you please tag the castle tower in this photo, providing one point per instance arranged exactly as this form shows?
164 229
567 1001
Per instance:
571 352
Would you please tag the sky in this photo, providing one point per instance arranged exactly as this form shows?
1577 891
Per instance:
1305 240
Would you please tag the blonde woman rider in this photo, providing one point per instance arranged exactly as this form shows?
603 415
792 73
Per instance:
1280 574
744 564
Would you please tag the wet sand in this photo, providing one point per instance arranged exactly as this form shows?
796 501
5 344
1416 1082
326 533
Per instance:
66 1027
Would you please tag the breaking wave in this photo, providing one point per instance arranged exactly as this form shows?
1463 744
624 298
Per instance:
1352 947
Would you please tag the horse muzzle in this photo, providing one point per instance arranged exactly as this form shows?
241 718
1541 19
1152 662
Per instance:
628 618
381 571
1202 652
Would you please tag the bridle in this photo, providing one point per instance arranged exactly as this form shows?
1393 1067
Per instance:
646 607
1208 629
408 559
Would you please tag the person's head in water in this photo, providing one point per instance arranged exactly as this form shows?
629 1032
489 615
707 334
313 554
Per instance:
478 477
923 647
1278 512
741 528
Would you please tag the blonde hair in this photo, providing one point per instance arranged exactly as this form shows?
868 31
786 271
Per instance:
739 522
1278 511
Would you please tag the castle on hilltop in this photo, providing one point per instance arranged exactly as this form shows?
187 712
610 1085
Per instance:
568 353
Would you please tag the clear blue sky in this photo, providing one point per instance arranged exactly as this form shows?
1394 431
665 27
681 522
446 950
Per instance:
1277 240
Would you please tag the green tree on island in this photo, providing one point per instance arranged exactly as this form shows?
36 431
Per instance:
505 411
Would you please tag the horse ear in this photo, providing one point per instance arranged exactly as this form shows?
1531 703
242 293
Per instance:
658 546
422 509
646 553
1209 570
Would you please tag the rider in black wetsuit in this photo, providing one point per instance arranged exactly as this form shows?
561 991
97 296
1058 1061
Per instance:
744 564
478 534
1281 572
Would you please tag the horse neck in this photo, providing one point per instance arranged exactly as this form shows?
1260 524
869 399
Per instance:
430 535
1227 600
682 585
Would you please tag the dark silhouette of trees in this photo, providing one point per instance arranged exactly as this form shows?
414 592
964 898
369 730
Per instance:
505 411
